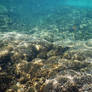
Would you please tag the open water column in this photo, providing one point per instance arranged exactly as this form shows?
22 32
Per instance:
80 3
45 45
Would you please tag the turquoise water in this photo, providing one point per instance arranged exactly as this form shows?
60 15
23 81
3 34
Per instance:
80 3
45 46
67 15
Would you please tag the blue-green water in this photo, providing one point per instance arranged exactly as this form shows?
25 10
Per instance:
67 15
45 46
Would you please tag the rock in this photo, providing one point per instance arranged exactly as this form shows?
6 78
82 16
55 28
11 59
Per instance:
42 55
89 14
86 88
60 84
31 89
5 82
88 43
10 90
29 52
3 9
45 46
21 90
5 59
5 19
82 80
4 56
73 55
53 59
56 51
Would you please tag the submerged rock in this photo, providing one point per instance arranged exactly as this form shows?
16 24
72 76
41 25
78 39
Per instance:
60 84
3 9
5 82
57 51
43 67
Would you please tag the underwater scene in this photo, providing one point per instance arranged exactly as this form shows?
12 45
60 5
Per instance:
45 45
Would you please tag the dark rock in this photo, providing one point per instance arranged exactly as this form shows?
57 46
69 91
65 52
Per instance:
5 82
42 55
74 56
56 51
29 53
53 59
85 79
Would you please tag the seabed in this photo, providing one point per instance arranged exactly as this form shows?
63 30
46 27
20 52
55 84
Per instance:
51 54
